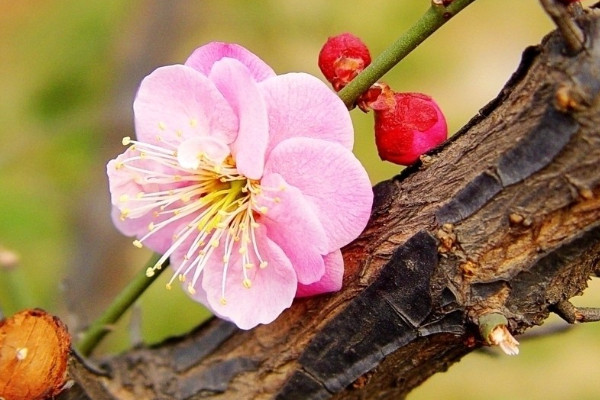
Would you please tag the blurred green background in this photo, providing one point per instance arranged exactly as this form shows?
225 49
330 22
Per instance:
69 73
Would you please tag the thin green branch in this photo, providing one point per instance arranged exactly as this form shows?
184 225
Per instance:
99 328
434 18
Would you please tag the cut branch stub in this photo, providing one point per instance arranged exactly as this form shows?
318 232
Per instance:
504 219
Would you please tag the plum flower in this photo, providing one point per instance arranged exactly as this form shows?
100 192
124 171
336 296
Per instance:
245 179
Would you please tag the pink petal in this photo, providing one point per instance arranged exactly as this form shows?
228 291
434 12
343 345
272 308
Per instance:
178 102
120 180
331 179
272 289
237 85
300 105
293 224
191 151
203 58
330 282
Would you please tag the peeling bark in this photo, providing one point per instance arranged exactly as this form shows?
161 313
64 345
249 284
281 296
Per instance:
505 217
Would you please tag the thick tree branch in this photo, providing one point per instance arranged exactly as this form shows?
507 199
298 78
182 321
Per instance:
504 218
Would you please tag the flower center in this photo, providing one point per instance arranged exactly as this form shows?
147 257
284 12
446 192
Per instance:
213 208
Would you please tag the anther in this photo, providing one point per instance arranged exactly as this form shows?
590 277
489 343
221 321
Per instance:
137 244
150 272
247 283
126 141
191 289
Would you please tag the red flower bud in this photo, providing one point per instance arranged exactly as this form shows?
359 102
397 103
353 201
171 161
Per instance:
409 128
342 58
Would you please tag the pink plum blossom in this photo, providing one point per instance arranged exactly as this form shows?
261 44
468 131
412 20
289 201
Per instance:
245 179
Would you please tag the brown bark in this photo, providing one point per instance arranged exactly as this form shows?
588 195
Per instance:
503 218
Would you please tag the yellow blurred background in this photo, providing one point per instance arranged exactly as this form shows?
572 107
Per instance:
69 71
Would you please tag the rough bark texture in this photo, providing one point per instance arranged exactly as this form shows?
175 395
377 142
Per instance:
503 218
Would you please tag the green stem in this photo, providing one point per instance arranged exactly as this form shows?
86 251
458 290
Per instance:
99 328
434 18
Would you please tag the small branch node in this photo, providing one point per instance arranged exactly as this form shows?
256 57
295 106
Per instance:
493 329
571 33
574 315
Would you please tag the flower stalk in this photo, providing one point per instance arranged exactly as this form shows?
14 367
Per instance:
432 20
99 328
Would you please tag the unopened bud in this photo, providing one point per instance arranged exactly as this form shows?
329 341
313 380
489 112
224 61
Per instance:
410 127
342 58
